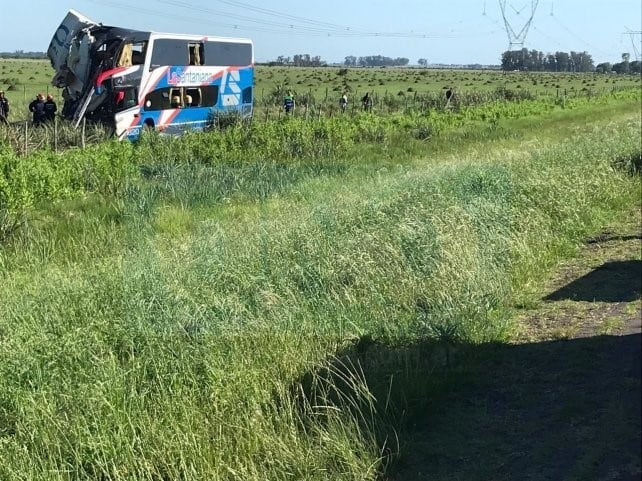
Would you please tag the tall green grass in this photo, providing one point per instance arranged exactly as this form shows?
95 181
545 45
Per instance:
193 347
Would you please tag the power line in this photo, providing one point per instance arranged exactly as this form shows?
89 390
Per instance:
219 13
282 15
569 31
240 22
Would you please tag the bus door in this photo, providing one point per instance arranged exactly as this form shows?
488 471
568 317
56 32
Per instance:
126 112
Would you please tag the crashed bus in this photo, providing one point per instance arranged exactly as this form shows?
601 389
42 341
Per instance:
130 80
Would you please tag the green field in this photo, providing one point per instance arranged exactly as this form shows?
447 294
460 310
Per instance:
280 301
408 82
23 79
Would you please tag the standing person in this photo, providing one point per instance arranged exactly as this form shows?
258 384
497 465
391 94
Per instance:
50 108
289 103
450 96
37 108
4 108
343 102
366 101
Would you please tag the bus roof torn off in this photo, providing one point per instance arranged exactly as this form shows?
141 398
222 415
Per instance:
128 79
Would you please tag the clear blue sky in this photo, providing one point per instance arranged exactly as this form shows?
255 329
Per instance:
451 31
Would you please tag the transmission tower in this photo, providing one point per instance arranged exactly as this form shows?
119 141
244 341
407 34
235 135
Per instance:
636 47
516 35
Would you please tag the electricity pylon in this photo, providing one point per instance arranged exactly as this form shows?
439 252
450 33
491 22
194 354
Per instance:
517 38
636 47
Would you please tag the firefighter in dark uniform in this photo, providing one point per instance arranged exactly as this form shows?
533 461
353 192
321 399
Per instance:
4 108
37 108
50 108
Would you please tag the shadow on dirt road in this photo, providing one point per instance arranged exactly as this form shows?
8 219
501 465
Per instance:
616 281
554 410
562 402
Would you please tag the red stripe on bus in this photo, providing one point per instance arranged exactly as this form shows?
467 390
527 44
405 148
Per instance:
108 73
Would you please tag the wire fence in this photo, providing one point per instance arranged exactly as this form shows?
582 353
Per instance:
25 137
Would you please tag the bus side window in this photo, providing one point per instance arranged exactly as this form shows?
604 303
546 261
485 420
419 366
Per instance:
125 99
195 94
209 95
195 53
176 98
247 95
138 53
157 100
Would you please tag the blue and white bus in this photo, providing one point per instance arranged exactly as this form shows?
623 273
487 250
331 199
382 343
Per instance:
132 80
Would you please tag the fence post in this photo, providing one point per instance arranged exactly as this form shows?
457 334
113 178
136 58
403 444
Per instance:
56 135
82 134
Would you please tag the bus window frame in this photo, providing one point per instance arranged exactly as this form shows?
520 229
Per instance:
164 96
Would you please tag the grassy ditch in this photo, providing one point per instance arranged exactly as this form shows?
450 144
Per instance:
212 337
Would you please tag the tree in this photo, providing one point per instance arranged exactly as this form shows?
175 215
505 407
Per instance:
622 67
604 67
626 67
536 61
585 62
551 63
510 60
299 60
423 62
350 61
563 62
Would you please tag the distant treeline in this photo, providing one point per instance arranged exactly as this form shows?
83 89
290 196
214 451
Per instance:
536 61
23 54
522 60
299 60
375 61
511 60
307 60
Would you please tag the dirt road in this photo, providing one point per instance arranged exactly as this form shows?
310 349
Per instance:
562 402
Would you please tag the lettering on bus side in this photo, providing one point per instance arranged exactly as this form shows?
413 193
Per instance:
179 75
